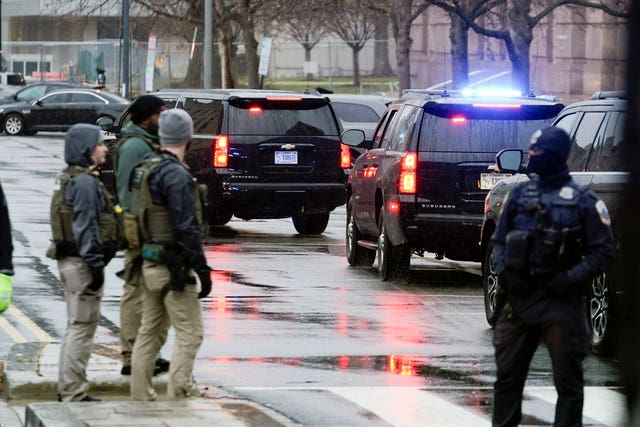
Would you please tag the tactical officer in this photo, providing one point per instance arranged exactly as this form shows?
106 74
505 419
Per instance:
167 204
6 251
139 138
553 238
84 235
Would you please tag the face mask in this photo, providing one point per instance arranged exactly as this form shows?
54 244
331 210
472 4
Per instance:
153 129
545 164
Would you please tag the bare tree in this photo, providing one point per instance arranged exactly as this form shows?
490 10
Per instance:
353 22
381 65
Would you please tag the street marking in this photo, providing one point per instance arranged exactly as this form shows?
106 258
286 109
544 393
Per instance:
449 81
419 407
30 324
600 404
495 76
13 333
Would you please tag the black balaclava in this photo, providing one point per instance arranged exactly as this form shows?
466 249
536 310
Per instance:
555 144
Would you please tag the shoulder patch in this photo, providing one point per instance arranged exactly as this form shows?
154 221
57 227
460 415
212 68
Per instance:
603 213
566 193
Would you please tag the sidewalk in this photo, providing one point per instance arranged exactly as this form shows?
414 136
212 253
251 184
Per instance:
30 397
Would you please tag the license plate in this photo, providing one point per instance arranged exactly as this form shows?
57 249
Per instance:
286 158
489 180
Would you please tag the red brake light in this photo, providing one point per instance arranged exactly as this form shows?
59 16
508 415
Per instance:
255 109
458 119
220 152
407 182
345 156
284 99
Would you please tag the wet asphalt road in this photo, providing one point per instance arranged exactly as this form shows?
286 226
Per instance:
288 323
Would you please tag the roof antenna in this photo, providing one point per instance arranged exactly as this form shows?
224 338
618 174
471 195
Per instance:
444 69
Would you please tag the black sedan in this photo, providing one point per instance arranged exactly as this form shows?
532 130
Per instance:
59 110
33 91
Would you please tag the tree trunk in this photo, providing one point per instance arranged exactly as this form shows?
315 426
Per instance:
459 36
521 36
355 53
401 24
246 21
381 65
307 58
227 63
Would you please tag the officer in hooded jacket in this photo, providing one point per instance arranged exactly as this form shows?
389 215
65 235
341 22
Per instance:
166 201
84 235
553 238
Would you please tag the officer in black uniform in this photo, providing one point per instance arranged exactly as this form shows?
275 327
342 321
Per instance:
553 238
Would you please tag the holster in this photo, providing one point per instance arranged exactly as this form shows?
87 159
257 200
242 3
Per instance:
179 271
517 250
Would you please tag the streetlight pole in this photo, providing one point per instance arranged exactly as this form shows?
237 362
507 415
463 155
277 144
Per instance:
208 45
1 58
125 48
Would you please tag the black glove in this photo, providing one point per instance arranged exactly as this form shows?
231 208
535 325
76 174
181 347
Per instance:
204 274
97 278
514 282
559 285
108 252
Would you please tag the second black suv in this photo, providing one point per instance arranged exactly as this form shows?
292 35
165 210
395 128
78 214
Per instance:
596 128
263 154
421 185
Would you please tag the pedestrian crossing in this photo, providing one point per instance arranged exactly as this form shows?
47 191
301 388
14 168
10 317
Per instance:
453 406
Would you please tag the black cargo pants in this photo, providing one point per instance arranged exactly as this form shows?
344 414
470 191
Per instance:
515 344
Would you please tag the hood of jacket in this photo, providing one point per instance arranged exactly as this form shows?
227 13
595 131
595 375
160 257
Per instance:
79 143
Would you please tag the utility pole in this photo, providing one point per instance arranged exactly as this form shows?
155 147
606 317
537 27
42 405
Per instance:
208 42
1 56
125 48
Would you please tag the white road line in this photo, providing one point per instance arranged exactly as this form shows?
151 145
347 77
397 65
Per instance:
29 324
449 81
13 333
495 76
418 407
600 404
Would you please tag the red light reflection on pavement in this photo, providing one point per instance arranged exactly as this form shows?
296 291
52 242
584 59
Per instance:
401 365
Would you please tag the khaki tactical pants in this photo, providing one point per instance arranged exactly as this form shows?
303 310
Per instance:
183 311
83 313
131 306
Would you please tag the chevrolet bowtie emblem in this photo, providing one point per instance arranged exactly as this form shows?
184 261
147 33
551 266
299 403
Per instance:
287 147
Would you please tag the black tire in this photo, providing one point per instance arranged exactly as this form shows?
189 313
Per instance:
490 284
357 256
393 261
311 224
600 318
219 218
14 124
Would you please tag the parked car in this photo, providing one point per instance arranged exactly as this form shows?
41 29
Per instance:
59 110
421 185
262 154
359 111
34 91
596 128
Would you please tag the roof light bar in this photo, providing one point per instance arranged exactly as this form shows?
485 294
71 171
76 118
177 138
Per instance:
493 93
497 105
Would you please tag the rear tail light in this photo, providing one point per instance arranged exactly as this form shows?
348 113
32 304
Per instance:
407 181
220 152
345 156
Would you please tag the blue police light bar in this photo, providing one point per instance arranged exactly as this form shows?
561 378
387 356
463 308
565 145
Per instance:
492 93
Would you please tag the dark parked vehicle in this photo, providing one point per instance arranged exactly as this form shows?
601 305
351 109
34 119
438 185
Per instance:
34 91
596 128
359 111
263 154
421 185
59 110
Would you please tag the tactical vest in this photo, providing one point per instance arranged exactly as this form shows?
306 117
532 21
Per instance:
62 215
152 220
552 222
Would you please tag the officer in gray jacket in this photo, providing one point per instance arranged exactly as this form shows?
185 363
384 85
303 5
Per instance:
84 241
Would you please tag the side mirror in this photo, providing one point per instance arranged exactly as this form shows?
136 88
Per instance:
352 137
510 160
105 123
38 102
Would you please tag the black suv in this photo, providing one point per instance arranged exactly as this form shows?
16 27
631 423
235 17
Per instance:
421 185
263 154
597 130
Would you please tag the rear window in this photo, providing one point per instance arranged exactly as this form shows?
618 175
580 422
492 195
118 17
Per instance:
206 114
355 112
479 136
262 120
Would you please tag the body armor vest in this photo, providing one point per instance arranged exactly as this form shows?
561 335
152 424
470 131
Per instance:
153 220
62 215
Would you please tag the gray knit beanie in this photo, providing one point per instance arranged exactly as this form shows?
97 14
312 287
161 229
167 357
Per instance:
175 127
